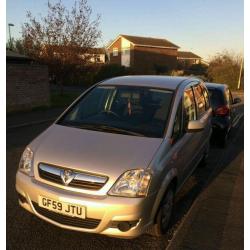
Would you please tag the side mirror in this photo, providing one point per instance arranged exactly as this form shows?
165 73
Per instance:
195 126
236 100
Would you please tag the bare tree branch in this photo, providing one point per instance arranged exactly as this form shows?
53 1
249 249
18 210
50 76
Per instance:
63 37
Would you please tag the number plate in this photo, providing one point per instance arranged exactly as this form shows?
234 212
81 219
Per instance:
69 209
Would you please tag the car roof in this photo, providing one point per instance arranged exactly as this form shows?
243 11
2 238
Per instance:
213 85
167 82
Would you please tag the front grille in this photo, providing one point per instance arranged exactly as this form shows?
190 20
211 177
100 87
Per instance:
81 180
88 223
49 176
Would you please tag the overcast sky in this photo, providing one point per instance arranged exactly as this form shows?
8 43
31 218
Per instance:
204 27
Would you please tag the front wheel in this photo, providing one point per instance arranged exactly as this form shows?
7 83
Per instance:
164 214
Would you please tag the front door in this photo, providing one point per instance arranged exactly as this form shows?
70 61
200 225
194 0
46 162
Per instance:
181 151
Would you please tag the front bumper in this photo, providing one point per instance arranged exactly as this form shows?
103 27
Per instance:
109 210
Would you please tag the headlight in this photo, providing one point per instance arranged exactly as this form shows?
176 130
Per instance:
133 183
26 161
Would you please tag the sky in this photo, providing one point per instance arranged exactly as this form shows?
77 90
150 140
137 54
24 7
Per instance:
205 27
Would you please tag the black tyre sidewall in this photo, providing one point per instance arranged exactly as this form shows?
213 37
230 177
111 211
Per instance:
164 230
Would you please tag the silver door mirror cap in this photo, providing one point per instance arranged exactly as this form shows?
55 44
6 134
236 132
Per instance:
195 126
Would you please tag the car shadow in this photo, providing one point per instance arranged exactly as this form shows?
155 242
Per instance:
219 159
34 233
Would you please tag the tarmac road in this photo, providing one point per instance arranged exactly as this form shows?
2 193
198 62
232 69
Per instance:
25 231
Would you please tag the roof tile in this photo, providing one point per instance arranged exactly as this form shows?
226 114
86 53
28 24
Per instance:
187 55
150 41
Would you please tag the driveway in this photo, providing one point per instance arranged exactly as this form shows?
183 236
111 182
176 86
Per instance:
25 231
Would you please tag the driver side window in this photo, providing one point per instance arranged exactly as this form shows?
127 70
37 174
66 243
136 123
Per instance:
189 107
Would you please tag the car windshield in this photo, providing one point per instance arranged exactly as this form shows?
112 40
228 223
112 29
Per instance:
216 97
140 111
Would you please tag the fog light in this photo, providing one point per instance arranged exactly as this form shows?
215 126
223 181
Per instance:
124 226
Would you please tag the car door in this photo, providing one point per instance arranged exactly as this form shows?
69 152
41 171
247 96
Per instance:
192 113
183 148
203 114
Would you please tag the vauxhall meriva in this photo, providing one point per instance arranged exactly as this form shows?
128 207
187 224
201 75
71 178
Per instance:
113 161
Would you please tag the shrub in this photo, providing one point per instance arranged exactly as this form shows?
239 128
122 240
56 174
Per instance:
160 69
111 70
196 69
225 68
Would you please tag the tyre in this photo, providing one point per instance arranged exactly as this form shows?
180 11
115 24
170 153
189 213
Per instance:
164 215
222 139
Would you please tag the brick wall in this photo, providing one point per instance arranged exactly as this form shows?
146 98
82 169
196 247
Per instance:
27 86
145 58
115 59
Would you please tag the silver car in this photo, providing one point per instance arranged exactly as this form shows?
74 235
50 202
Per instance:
114 160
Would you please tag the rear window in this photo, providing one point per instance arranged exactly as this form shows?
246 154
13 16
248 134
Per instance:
216 98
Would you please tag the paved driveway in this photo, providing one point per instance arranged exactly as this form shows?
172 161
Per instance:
25 231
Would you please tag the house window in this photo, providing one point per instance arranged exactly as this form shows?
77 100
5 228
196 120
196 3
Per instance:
125 51
98 58
115 51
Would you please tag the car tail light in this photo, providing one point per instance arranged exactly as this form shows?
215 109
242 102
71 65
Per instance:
222 111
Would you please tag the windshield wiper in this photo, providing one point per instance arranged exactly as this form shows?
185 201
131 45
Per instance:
115 129
100 127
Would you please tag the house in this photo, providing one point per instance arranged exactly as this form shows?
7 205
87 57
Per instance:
186 58
27 83
96 55
144 54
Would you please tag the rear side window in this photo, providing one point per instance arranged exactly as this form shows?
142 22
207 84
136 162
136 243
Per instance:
200 100
189 106
216 98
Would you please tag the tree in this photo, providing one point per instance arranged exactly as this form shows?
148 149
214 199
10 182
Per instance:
8 45
16 46
197 69
225 68
62 38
